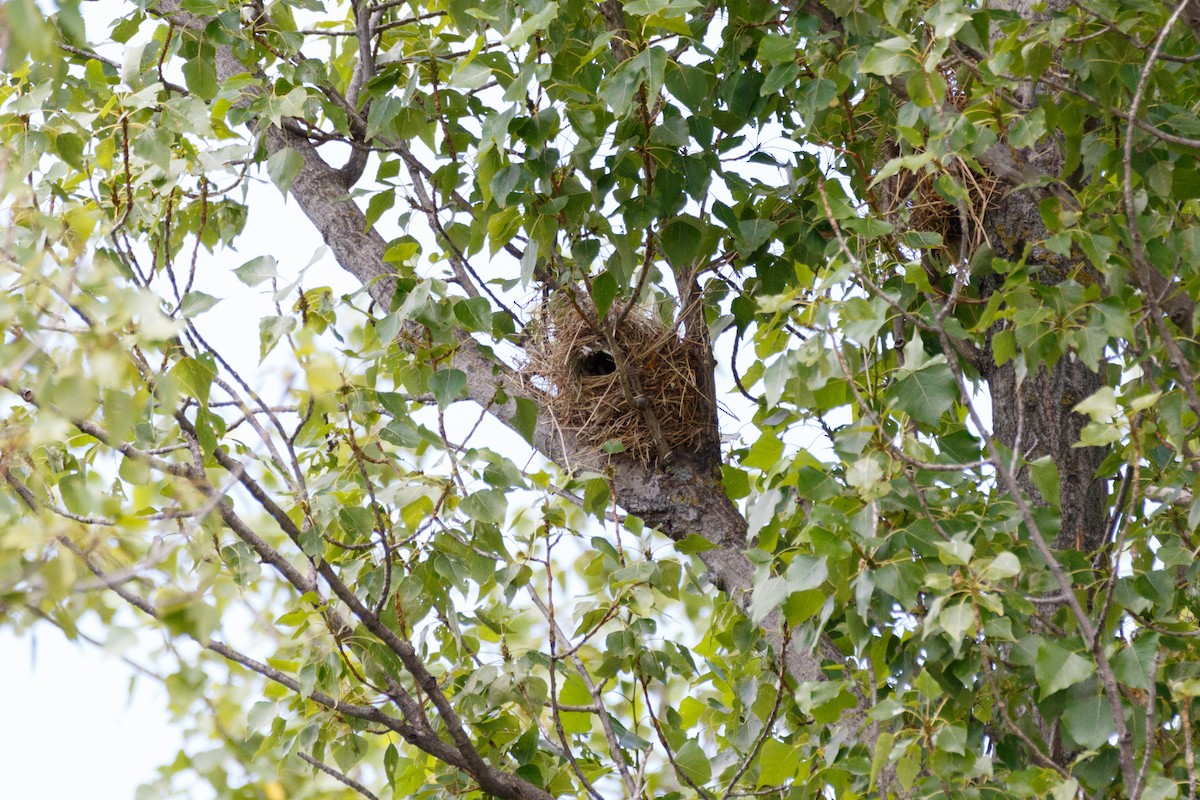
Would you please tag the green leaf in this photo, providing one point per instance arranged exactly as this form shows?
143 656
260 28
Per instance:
200 76
1067 790
475 313
890 57
604 290
1101 405
780 78
680 240
283 167
669 8
529 263
135 471
402 250
1160 787
802 606
30 33
862 318
806 572
1028 129
955 552
693 762
764 453
488 505
379 204
888 708
908 767
257 270
693 544
1004 565
595 497
951 739
382 114
778 763
387 327
526 28
1134 665
196 303
348 750
1004 347
1089 720
1058 668
736 481
1044 474
75 494
865 474
768 596
70 147
693 85
753 234
194 377
947 19
883 750
502 227
525 418
926 394
448 385
503 182
270 331
776 49
956 620
526 747
627 738
357 521
155 146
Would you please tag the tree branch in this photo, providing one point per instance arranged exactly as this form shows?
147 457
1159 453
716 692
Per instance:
337 776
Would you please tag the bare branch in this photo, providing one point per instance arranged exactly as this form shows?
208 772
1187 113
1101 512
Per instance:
337 776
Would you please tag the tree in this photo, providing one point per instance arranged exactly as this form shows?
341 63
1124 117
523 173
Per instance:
945 252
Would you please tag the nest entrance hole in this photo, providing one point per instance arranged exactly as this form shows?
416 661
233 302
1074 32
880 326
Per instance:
597 363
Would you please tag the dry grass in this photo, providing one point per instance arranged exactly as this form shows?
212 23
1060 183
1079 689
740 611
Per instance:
584 395
917 197
913 197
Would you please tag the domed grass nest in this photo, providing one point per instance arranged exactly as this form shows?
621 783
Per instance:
914 200
572 362
915 196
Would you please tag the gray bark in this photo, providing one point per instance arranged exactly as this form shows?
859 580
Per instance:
1033 417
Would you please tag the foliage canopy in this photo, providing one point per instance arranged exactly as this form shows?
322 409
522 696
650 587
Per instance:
947 256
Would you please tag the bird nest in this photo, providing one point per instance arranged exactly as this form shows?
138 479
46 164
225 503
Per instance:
588 398
914 199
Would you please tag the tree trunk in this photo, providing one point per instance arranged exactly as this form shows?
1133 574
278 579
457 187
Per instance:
1033 417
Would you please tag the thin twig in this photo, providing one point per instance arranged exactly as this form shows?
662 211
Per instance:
1189 755
769 724
1151 732
337 776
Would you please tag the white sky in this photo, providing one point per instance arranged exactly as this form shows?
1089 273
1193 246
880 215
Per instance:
71 729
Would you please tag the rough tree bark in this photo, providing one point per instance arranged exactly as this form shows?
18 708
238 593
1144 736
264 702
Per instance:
1032 416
